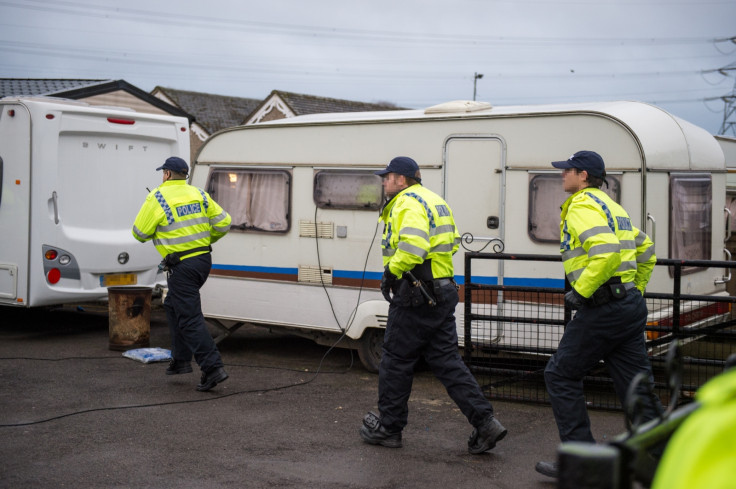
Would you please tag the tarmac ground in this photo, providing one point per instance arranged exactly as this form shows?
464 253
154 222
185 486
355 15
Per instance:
74 413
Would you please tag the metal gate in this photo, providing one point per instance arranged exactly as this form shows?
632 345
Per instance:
529 322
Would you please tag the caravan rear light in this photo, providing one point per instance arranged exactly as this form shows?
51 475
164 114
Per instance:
53 276
50 116
50 254
121 121
65 259
11 113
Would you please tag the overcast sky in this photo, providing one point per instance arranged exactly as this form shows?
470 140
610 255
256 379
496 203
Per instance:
413 53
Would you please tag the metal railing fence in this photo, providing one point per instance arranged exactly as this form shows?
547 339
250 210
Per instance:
510 331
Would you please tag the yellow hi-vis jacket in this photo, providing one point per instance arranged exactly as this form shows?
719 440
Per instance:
598 242
701 452
180 217
418 226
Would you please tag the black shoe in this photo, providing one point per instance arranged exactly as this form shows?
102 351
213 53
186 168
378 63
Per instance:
178 367
486 435
374 433
211 379
549 469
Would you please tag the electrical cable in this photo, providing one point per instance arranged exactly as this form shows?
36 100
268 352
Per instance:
169 403
231 394
360 289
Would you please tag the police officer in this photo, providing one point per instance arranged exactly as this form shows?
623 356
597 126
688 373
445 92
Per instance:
701 453
183 221
608 263
419 239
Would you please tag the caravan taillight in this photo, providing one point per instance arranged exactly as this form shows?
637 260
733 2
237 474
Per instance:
53 276
50 254
120 121
50 116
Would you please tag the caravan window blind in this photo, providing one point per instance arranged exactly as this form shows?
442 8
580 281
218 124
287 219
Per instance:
257 200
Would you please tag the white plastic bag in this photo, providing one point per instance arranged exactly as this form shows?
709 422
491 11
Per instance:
148 355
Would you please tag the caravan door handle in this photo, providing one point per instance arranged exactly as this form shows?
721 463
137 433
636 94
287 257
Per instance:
728 223
652 236
54 199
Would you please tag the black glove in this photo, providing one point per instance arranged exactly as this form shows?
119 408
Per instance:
387 281
574 300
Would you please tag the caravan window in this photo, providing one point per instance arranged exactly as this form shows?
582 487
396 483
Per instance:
546 195
691 198
257 200
347 189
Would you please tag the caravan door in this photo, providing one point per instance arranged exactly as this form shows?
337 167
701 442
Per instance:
15 185
474 177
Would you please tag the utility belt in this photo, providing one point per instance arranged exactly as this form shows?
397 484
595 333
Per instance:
173 259
415 290
611 290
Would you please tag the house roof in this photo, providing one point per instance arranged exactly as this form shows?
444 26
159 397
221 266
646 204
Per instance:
77 89
42 86
212 112
302 104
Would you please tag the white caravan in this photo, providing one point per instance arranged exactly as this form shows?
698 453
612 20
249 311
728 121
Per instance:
73 177
304 250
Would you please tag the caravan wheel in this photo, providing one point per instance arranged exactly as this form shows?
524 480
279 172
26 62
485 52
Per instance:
371 349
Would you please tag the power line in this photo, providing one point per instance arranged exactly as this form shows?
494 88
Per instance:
178 19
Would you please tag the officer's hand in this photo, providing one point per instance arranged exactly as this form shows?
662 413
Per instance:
387 281
574 300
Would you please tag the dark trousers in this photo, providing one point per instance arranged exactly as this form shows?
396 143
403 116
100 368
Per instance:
415 332
189 334
614 333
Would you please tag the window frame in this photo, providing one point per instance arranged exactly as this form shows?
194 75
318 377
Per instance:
707 205
614 190
224 170
327 172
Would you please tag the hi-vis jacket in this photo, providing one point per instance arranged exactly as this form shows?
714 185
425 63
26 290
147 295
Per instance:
598 241
418 226
180 217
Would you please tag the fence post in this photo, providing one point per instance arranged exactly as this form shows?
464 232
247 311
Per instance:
676 297
468 312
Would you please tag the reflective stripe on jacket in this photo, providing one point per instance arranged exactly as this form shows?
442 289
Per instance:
418 226
179 217
598 241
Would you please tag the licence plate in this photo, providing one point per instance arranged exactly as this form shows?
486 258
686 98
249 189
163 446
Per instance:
112 279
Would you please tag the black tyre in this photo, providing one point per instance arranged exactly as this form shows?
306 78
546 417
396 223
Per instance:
371 349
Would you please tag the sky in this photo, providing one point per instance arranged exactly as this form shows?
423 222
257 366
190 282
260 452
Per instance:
411 53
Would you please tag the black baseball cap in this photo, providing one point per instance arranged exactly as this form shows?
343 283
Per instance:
401 165
175 164
589 161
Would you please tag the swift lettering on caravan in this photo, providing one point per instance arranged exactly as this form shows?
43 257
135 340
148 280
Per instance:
304 251
72 178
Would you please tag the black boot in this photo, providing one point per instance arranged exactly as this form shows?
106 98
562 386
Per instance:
178 367
485 436
550 469
374 433
212 378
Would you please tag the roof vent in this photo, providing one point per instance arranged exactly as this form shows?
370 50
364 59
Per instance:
458 106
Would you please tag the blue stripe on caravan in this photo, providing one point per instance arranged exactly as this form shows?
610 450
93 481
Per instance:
357 275
243 268
516 281
460 279
557 283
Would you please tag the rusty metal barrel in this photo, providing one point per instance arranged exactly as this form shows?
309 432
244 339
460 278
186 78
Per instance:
130 317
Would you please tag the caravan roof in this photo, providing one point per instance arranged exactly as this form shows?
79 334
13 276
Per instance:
665 142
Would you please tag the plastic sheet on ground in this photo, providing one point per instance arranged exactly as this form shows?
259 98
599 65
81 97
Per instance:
149 355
